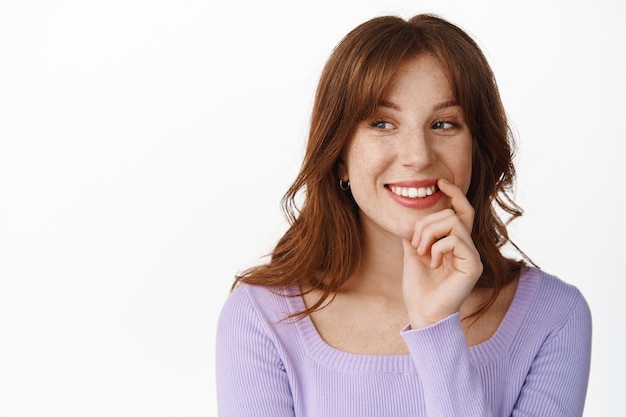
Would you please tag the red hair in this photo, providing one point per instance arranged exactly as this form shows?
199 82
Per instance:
323 244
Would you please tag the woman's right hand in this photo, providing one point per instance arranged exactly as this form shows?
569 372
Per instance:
441 263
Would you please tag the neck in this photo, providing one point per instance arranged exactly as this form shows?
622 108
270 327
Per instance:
380 270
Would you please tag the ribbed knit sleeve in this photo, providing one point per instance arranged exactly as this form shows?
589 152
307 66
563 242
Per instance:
536 364
251 377
452 386
555 385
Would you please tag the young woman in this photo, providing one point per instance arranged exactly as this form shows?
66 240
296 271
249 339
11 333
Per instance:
389 294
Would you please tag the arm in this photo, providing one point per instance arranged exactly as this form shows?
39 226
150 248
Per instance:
557 382
555 385
441 267
451 385
251 380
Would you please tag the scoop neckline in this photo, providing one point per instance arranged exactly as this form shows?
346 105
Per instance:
491 349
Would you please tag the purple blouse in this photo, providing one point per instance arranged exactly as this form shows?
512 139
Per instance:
536 363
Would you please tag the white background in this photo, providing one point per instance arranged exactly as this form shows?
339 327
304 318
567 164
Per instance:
145 145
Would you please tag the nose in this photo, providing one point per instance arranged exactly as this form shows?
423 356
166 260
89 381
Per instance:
415 149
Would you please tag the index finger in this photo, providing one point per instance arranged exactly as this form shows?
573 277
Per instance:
459 202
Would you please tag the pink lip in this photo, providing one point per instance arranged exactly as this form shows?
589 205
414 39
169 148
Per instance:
415 203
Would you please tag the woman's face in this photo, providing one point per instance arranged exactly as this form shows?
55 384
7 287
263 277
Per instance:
395 157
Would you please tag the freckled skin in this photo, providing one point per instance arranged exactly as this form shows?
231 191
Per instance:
408 138
416 137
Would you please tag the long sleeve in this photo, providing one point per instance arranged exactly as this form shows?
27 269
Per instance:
535 365
251 379
452 387
555 384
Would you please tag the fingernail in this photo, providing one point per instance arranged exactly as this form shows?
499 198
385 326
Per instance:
414 240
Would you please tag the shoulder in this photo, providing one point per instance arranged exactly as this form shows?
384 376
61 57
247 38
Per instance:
552 289
251 353
253 305
552 300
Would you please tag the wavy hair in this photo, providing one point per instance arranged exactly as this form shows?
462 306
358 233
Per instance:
323 244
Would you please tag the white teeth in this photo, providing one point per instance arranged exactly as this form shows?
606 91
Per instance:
413 192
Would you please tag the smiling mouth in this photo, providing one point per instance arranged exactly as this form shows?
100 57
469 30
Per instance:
414 192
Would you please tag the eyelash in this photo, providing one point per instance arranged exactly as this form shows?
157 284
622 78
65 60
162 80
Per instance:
375 124
438 125
443 122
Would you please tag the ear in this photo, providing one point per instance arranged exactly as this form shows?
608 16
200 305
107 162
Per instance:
342 171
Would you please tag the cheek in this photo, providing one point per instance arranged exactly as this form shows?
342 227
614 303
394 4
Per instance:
465 167
361 178
467 177
365 163
366 176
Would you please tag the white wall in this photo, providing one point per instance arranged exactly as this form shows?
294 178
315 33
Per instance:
144 147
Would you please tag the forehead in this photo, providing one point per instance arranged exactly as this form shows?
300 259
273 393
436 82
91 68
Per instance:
419 78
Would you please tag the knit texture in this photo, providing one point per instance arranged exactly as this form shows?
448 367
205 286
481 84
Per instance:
536 363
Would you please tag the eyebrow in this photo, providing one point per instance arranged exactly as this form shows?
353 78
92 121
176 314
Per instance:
446 104
390 105
443 105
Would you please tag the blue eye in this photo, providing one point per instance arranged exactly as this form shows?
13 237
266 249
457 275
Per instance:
443 125
381 124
